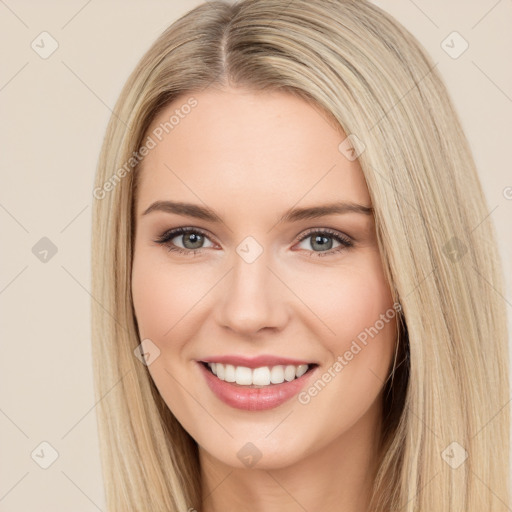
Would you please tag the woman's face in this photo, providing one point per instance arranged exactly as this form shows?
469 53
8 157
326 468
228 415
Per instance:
264 280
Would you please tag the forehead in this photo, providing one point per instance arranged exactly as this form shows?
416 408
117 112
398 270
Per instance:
255 148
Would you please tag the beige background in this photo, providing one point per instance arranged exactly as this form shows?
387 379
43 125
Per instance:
54 112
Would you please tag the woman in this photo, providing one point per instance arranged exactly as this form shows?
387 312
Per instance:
293 303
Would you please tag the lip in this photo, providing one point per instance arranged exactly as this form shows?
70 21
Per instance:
255 362
254 398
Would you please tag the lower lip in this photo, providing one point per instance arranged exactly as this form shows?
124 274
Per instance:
254 399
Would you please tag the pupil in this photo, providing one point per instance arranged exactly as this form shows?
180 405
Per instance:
323 241
194 238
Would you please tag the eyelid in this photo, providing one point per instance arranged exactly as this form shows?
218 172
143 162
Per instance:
333 232
184 228
169 234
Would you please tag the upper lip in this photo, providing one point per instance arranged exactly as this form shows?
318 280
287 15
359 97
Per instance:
255 362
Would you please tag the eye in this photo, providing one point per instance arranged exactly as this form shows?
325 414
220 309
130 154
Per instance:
322 239
192 240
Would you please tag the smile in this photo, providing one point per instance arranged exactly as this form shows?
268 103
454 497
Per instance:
255 389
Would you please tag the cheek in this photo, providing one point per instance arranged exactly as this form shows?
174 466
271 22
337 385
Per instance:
348 301
152 298
352 305
354 312
160 297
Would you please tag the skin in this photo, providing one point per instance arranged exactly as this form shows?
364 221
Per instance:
250 156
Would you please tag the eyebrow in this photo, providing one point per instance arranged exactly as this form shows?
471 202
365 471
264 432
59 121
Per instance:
292 215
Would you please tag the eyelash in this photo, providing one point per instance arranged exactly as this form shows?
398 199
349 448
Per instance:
166 237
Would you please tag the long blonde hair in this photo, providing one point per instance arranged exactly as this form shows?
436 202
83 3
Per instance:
445 436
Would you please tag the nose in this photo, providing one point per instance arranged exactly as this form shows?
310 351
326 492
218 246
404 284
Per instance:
253 298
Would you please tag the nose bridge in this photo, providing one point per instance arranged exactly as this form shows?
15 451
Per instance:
252 299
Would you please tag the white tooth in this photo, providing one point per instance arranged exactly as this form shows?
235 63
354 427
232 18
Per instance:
243 375
277 374
261 376
301 370
220 371
289 373
229 374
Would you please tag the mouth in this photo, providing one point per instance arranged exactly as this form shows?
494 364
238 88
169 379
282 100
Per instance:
260 377
256 389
